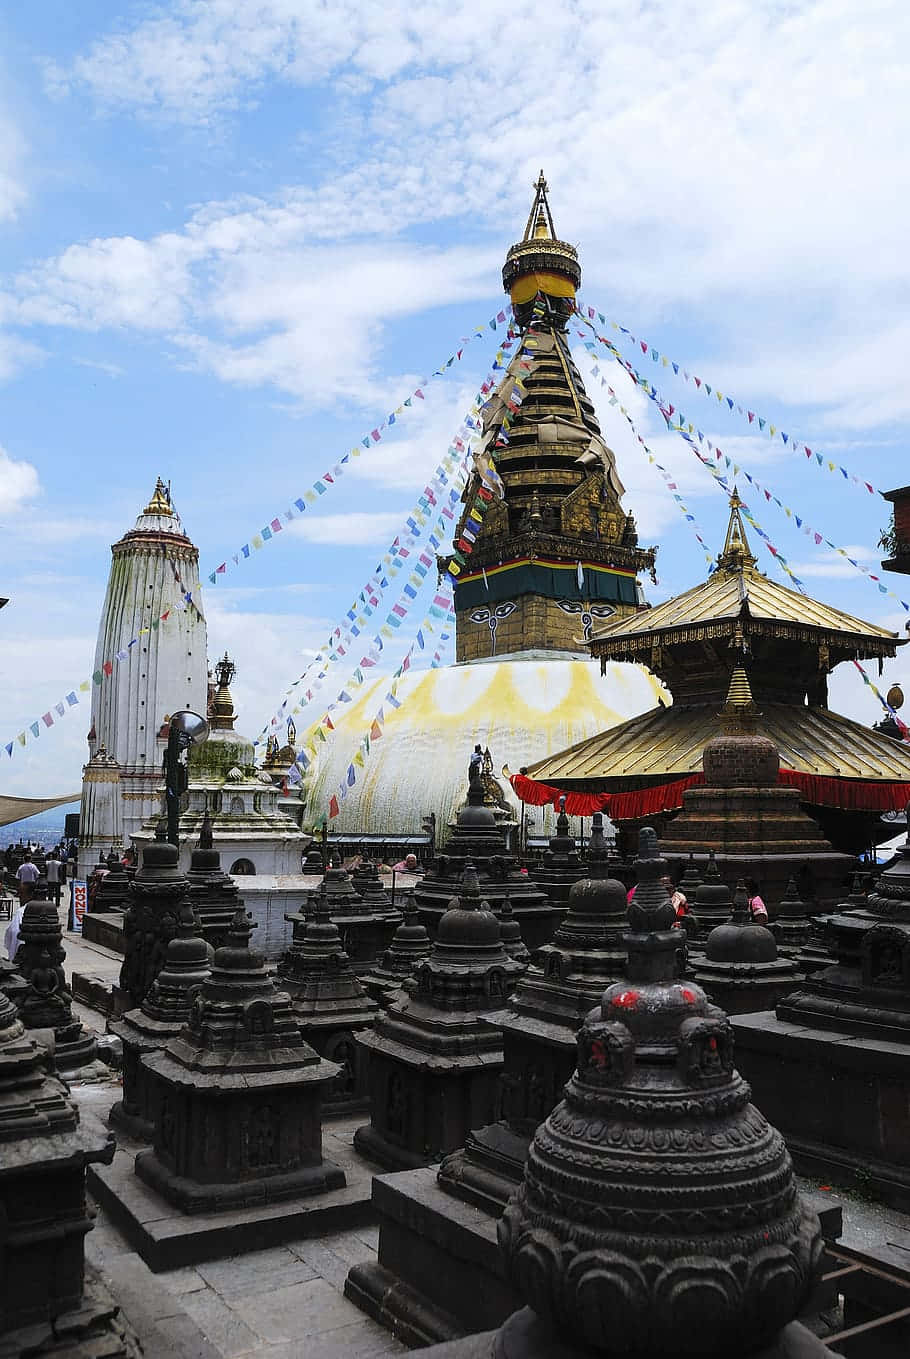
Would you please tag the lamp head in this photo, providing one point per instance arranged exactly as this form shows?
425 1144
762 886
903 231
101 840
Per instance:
190 725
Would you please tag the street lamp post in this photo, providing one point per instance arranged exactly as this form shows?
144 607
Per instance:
186 729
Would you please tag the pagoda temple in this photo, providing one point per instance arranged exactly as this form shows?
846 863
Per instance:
555 554
790 642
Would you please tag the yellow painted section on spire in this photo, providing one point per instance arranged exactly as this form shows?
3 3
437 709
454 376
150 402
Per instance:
529 285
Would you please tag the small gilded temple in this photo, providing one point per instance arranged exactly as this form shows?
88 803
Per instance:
556 555
789 643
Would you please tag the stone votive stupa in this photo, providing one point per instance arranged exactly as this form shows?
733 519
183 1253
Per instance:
161 1016
659 1213
47 1002
434 1063
740 969
369 884
561 865
410 945
477 839
44 1149
366 928
156 894
213 893
755 825
329 1004
833 1065
237 1112
113 889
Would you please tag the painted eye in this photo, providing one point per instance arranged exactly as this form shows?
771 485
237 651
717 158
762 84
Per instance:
570 605
480 616
602 610
503 610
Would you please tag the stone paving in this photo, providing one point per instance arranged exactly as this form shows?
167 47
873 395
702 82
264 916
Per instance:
280 1303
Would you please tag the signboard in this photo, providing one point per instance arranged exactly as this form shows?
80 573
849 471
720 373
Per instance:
80 901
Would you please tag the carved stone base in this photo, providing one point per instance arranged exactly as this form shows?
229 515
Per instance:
524 1337
371 1144
106 930
191 1196
138 1128
166 1239
841 1101
439 1273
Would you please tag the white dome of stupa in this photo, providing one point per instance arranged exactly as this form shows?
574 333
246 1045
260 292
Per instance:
521 708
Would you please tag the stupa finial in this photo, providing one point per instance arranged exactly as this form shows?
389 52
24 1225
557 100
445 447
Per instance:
540 219
736 551
160 502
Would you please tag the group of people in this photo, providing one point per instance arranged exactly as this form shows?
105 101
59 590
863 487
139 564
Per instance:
758 911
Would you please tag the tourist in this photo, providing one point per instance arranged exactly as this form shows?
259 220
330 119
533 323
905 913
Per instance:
407 865
11 937
757 908
56 875
27 875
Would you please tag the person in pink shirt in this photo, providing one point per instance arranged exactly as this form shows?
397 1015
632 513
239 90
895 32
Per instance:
757 908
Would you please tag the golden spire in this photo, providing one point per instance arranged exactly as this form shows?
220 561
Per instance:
160 502
540 219
739 712
221 707
736 553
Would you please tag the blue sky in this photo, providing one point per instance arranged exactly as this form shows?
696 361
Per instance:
234 234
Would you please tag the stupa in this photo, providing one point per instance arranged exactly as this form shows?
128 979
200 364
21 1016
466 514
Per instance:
214 895
156 894
113 889
370 887
44 1149
150 660
844 772
561 865
366 926
47 1002
329 1004
161 1016
756 827
477 839
555 554
410 945
793 926
434 1063
243 1077
465 1280
740 969
832 1063
255 837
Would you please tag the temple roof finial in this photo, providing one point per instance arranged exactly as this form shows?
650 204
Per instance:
540 263
736 553
540 219
160 502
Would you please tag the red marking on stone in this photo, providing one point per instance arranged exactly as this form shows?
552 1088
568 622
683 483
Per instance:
626 1000
712 1044
687 995
598 1053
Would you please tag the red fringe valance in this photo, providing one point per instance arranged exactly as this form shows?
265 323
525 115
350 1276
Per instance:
852 795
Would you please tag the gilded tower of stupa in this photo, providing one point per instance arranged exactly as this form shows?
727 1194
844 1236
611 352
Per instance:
556 551
554 557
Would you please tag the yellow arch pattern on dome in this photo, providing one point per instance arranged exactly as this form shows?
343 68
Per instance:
523 709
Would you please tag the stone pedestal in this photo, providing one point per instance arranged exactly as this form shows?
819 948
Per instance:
476 838
434 1063
237 1114
162 1015
46 1002
832 1066
156 894
44 1150
330 1006
410 945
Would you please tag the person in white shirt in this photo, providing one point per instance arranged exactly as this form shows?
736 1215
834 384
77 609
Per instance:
27 875
56 875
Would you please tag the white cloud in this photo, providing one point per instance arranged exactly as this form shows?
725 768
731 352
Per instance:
19 483
833 565
354 529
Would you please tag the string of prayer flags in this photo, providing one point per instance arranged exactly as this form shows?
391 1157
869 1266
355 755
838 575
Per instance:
758 423
71 698
901 725
319 487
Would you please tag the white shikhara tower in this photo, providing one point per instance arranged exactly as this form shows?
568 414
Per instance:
149 668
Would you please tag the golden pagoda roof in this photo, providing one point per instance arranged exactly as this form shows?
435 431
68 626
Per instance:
160 502
738 595
667 743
